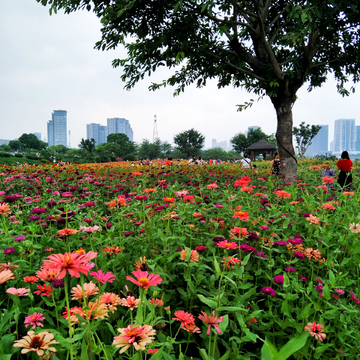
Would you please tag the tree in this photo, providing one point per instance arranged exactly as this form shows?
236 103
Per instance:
241 141
267 47
148 150
125 145
189 142
304 135
15 144
30 141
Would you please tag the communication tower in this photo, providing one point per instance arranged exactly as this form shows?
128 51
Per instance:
155 132
69 140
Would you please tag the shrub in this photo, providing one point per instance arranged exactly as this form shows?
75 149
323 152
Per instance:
18 155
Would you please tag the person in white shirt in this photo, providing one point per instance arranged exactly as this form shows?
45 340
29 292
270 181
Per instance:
246 162
192 161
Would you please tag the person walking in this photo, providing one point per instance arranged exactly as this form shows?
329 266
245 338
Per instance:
345 176
275 165
246 162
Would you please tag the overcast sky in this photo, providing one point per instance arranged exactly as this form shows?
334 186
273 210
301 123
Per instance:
48 63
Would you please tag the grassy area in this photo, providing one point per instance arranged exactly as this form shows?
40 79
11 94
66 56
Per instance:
12 161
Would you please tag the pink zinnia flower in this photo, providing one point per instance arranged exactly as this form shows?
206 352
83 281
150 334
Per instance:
130 302
279 279
211 320
34 320
144 280
136 336
74 263
315 330
89 229
18 292
184 317
227 245
102 277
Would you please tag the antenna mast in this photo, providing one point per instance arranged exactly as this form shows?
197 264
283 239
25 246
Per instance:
155 132
69 140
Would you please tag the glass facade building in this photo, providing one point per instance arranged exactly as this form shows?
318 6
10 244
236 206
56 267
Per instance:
344 135
120 125
57 128
319 144
97 132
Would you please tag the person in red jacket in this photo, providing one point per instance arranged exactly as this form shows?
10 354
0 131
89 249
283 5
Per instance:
345 166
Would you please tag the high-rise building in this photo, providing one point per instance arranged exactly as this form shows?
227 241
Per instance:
319 144
219 144
120 125
357 142
97 132
57 128
344 135
38 135
4 142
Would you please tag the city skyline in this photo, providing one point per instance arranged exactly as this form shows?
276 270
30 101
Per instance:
57 128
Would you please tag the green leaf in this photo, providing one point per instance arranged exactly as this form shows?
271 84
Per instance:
223 325
217 267
203 354
331 278
293 345
250 335
326 292
158 355
211 303
269 352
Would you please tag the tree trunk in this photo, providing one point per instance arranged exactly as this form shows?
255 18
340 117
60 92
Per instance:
283 106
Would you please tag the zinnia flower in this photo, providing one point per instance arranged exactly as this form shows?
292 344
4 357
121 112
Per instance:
73 263
102 277
18 292
110 300
89 289
191 328
143 280
279 279
5 209
6 275
136 336
67 232
211 320
130 302
227 245
315 330
194 256
37 343
184 317
34 320
268 290
43 290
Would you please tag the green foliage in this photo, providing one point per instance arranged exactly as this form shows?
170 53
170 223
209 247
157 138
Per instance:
304 135
241 141
18 155
30 141
189 142
32 157
5 154
15 145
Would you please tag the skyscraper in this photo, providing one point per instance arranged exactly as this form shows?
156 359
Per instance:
357 142
344 135
120 125
319 144
97 132
57 128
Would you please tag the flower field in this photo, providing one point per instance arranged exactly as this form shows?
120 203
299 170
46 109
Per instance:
109 261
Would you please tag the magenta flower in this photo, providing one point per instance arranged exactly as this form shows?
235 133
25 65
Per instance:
340 291
102 277
211 320
279 279
290 269
268 290
34 320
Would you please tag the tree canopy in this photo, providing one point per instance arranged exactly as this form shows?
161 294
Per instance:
30 141
241 141
189 142
267 47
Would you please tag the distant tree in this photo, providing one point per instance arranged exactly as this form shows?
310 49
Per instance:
30 141
148 150
7 148
165 149
304 135
60 149
241 141
125 145
215 153
87 145
15 145
189 142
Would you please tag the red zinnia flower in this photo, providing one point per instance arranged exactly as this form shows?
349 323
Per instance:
184 317
315 330
43 290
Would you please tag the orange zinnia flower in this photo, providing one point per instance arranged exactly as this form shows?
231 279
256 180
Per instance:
67 232
282 194
169 199
212 186
89 289
110 300
130 302
5 209
150 190
6 275
194 256
242 215
315 330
